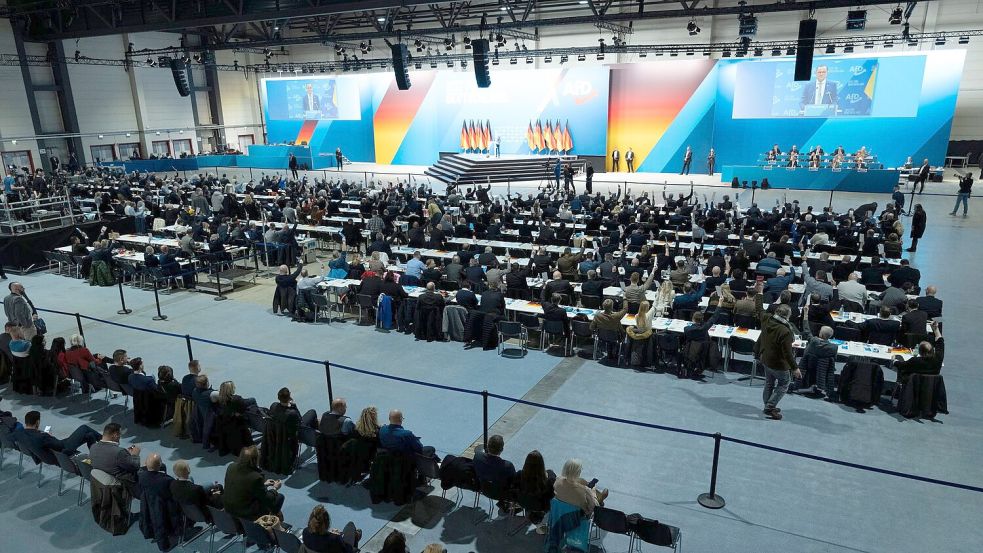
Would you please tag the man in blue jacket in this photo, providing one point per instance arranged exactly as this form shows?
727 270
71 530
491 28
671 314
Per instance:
398 439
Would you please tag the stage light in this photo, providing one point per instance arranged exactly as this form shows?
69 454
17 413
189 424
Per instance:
759 51
692 28
381 19
450 63
940 41
529 59
151 62
741 53
776 51
726 53
363 47
856 20
564 58
548 59
848 49
830 49
643 54
269 53
747 25
433 65
689 52
912 42
896 15
790 51
673 53
659 53
513 61
467 43
495 61
581 57
964 40
600 56
889 44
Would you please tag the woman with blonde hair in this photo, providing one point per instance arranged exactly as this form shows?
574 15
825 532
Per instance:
664 298
639 334
367 425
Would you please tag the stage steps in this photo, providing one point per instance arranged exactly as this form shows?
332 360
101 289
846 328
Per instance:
470 169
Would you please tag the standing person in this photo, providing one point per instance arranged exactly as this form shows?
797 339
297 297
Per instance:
557 171
498 146
615 160
711 161
590 178
339 158
20 311
630 160
292 164
687 160
568 178
921 176
898 198
774 349
965 189
918 222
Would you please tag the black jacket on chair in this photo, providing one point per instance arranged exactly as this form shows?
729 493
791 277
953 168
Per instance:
280 444
161 518
392 478
923 396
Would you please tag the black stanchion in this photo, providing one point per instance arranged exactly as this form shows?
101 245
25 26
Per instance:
712 500
831 199
187 340
122 300
484 402
218 282
78 321
327 375
159 316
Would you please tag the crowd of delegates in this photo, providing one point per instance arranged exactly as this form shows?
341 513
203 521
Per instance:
212 417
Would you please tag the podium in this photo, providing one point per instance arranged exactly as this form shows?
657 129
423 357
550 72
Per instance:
819 110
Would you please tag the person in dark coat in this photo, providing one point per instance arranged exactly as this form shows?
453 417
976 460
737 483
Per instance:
928 361
247 493
918 221
160 515
280 443
186 492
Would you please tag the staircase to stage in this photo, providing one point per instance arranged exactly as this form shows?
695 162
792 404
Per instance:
469 169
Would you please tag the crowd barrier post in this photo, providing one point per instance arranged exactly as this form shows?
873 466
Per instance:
187 340
78 321
712 500
327 375
159 316
484 403
831 199
753 190
122 300
250 173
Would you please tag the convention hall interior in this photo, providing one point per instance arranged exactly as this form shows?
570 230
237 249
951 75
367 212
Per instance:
490 276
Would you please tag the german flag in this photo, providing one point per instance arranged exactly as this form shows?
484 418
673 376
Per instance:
558 136
464 136
472 137
488 134
548 136
540 143
567 139
531 137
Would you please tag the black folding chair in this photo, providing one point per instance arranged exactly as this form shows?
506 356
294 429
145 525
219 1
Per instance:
512 329
227 524
68 465
7 442
656 533
287 541
263 540
608 338
553 329
196 516
610 520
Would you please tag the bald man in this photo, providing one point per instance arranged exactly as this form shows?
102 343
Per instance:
334 422
398 439
155 492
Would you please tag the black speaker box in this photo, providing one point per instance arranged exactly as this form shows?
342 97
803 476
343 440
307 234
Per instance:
401 65
803 54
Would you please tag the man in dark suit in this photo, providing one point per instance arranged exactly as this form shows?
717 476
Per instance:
32 435
120 370
882 330
921 176
311 100
492 301
107 456
819 91
465 297
247 493
489 465
928 303
593 286
904 273
186 492
558 285
687 160
931 354
515 279
914 319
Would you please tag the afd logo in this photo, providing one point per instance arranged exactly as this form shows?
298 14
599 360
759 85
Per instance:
857 70
854 97
775 100
582 91
794 86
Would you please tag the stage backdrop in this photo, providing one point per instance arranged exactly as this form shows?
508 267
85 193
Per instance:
894 104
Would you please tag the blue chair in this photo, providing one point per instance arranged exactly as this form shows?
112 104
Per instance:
567 528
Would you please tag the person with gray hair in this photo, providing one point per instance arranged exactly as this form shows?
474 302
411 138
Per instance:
572 489
819 358
20 310
774 350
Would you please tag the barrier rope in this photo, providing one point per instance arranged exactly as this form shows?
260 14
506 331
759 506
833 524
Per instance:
597 416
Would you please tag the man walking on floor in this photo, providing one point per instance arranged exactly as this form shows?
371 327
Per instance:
774 350
921 176
965 190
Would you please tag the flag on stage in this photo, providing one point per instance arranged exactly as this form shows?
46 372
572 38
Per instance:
483 131
488 134
531 137
548 136
464 136
472 137
567 139
558 136
540 143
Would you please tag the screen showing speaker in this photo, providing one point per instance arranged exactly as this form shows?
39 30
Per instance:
838 87
312 98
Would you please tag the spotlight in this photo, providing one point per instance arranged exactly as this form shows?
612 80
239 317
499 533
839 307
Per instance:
464 64
726 53
564 58
548 59
495 61
467 43
790 51
513 61
269 53
964 40
643 54
433 65
692 28
363 47
940 41
706 52
673 53
759 51
776 51
912 42
600 56
869 44
848 49
830 49
689 52
78 55
529 59
896 15
450 63
151 62
890 44
581 57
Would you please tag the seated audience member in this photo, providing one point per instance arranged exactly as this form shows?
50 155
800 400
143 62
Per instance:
593 286
31 434
247 493
319 537
392 288
188 381
80 356
914 320
820 355
609 319
490 467
140 381
515 279
107 456
558 285
434 548
882 330
367 427
572 489
930 304
158 512
534 485
120 369
492 300
335 422
465 297
398 439
231 428
852 291
185 491
395 543
929 360
894 298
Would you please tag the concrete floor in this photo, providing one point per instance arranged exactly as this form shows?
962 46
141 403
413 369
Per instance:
774 502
